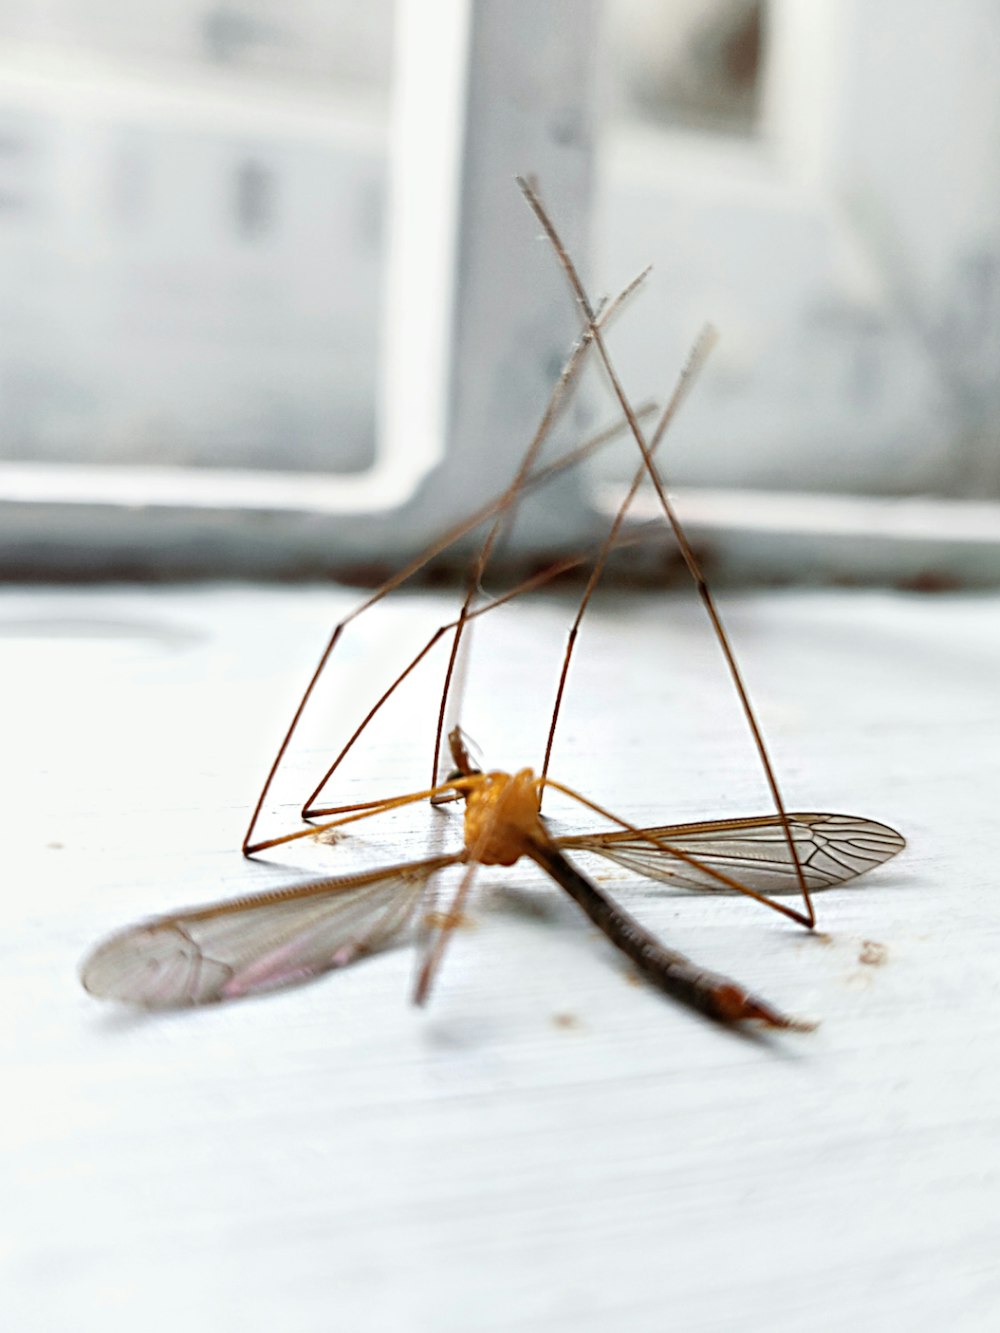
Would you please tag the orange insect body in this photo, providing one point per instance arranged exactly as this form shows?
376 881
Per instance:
501 816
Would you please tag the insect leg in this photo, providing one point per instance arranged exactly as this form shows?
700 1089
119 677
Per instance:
720 876
310 811
454 534
557 401
684 546
699 353
437 941
364 810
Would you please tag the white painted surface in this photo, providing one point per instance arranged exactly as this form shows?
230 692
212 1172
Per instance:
330 1158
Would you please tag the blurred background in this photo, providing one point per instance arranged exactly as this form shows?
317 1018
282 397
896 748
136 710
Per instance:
209 313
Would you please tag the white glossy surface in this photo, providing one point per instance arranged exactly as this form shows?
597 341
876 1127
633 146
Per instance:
547 1146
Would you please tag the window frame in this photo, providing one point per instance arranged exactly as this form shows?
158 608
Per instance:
470 334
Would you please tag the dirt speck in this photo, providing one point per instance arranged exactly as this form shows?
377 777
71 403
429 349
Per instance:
568 1022
873 954
814 937
329 837
448 921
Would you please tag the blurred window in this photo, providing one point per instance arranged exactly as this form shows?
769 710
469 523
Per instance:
192 217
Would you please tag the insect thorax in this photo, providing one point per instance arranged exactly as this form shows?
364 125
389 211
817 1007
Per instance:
501 812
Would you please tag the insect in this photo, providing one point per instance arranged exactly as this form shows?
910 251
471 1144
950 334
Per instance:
231 949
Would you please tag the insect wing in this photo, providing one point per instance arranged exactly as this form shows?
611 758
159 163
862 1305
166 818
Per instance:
258 943
831 849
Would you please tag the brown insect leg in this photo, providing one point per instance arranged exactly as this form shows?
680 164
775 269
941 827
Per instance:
645 836
539 478
557 401
699 353
439 937
310 811
680 536
363 811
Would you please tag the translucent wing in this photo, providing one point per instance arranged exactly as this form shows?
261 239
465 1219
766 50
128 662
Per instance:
258 943
831 848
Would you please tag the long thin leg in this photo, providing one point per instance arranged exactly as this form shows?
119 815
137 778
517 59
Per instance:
431 963
567 563
538 478
563 566
557 401
309 811
699 354
681 855
684 546
364 810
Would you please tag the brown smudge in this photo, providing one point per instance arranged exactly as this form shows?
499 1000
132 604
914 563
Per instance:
873 954
448 921
566 1021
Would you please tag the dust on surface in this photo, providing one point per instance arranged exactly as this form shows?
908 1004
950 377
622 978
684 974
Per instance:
873 954
568 1022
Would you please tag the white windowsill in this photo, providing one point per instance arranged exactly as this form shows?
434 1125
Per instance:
331 1147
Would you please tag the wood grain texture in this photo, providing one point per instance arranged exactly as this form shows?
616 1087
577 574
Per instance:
547 1146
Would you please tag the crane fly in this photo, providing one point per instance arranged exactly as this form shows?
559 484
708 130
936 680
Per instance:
258 943
233 949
